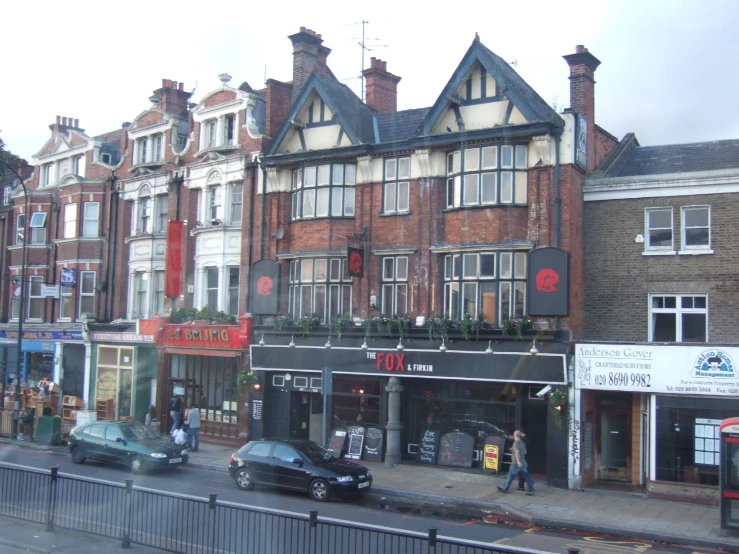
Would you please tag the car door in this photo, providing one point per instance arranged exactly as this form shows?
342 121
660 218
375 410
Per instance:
115 450
259 461
286 472
94 441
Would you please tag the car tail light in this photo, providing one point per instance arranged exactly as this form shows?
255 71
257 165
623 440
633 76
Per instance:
232 458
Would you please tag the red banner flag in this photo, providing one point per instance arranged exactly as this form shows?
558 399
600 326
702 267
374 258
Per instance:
174 259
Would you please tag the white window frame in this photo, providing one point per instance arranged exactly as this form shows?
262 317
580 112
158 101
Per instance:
20 229
143 218
211 133
158 286
215 203
230 308
394 278
38 298
142 150
162 203
66 298
156 147
140 293
70 223
90 225
207 288
86 294
229 127
647 239
38 228
397 185
684 246
236 203
45 179
678 310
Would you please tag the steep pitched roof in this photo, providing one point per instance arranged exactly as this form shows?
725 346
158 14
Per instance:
354 117
393 127
526 99
677 158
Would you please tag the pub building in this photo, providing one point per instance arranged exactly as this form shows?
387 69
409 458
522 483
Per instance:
203 360
650 414
480 388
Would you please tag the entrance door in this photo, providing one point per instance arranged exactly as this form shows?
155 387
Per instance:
277 420
534 422
300 415
615 438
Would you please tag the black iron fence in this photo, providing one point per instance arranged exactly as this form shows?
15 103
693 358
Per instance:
191 525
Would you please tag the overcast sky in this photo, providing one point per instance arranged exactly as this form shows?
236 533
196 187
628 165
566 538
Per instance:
668 68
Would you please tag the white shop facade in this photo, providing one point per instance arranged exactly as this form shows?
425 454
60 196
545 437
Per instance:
649 415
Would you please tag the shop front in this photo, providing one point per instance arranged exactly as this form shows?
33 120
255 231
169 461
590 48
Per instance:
203 363
477 394
650 414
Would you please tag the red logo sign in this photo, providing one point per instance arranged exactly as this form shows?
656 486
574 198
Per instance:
174 259
391 362
546 280
264 286
355 263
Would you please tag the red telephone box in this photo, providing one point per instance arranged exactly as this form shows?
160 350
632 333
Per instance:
730 473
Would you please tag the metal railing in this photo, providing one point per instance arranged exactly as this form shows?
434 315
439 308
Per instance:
191 525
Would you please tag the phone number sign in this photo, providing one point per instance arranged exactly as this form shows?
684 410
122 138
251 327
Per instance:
693 370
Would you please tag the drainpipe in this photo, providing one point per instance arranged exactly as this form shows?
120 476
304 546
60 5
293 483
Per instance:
112 248
253 166
557 198
264 212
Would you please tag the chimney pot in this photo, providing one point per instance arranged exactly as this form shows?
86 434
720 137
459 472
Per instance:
164 83
182 86
77 123
579 49
302 29
174 84
58 120
64 120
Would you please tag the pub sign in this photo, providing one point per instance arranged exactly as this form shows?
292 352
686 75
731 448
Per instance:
355 261
265 275
547 285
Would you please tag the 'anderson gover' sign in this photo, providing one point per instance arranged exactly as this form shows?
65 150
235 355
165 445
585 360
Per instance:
657 369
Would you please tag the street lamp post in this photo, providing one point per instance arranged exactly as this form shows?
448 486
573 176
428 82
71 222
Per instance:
18 371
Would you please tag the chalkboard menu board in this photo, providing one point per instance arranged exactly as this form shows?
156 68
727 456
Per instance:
373 442
428 446
455 449
336 441
356 438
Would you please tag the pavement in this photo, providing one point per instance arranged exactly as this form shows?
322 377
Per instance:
471 493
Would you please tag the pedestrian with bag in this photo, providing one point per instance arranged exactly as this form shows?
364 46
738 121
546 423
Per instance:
525 439
518 465
175 410
193 431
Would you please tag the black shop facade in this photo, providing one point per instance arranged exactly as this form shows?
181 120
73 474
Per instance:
487 389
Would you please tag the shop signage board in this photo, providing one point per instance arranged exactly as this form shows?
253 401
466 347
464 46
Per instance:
336 441
428 446
43 335
50 291
202 337
658 369
99 336
493 453
265 277
373 444
173 275
548 282
355 261
513 367
356 439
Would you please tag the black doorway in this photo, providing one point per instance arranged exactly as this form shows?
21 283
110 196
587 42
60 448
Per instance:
534 422
277 420
299 415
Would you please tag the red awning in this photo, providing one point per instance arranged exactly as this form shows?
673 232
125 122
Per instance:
196 352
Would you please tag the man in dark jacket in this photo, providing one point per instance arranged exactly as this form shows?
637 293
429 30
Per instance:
525 439
175 411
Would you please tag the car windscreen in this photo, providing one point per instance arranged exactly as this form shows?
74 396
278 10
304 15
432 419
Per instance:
138 432
316 454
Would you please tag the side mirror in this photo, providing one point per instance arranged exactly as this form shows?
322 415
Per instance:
121 439
298 461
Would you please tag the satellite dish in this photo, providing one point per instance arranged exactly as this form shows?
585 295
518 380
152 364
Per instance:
279 233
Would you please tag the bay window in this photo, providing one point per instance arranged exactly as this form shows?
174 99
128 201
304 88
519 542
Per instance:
321 286
70 221
159 284
211 288
491 284
487 175
162 212
214 202
233 291
87 292
35 298
38 228
236 203
140 293
322 190
91 219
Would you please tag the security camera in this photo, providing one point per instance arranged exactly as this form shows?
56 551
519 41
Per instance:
543 391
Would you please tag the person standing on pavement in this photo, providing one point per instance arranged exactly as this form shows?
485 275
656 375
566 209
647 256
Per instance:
525 439
193 432
518 465
175 411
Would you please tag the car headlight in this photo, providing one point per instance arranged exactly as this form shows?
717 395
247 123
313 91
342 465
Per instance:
158 455
367 475
344 478
184 452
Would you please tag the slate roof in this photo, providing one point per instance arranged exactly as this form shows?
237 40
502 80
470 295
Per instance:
677 158
357 117
399 126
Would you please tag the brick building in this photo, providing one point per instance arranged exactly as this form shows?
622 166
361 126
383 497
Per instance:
660 310
444 205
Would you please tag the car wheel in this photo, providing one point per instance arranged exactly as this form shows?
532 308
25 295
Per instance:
243 480
137 465
319 490
78 455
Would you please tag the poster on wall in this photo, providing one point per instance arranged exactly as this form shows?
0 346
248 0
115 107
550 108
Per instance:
265 276
547 286
693 370
581 142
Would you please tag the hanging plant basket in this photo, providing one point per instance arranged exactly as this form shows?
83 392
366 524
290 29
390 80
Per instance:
560 408
246 379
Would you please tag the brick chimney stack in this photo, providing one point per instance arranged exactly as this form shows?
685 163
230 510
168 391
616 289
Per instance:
173 97
381 87
63 123
582 92
307 55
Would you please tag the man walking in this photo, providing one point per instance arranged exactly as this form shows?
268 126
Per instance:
525 439
193 432
175 410
518 465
